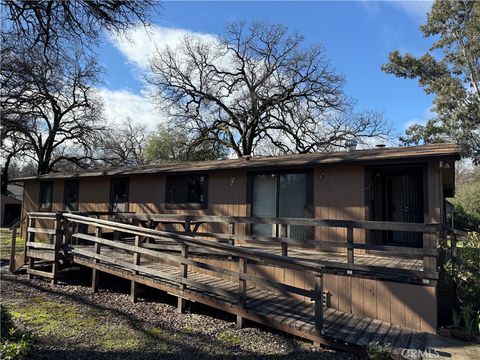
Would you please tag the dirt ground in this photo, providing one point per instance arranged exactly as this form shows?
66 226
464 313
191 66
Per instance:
68 321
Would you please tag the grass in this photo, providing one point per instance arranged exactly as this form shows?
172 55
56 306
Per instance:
67 322
5 243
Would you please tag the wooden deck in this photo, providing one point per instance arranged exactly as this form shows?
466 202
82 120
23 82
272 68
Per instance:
215 270
281 311
398 262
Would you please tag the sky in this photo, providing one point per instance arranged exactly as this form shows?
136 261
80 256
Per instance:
357 37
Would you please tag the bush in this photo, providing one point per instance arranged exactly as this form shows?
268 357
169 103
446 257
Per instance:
467 205
378 351
464 269
14 345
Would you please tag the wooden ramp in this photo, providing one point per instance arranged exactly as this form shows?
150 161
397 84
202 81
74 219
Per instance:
341 330
139 254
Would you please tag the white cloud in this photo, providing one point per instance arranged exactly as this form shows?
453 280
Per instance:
122 104
140 43
421 120
417 9
414 8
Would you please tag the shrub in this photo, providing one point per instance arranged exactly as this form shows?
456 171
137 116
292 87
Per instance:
377 351
467 205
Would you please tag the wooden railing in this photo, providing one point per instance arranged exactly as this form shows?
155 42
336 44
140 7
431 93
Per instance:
242 256
429 251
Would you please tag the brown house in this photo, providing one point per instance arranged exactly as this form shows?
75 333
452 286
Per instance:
405 184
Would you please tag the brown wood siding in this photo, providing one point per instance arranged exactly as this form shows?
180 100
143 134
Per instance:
339 194
226 196
94 194
408 305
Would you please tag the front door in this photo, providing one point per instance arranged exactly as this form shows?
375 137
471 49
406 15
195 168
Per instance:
397 196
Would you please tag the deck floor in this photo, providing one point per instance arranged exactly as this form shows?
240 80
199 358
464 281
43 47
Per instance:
341 257
275 310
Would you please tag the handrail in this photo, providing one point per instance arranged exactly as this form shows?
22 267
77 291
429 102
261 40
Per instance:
295 263
185 239
361 224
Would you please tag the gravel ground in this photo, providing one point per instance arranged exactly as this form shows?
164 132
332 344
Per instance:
68 321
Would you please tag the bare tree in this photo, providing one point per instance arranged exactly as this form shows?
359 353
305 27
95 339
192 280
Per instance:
123 145
258 84
48 72
56 24
49 105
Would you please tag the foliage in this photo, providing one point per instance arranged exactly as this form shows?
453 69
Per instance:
464 269
467 205
453 79
468 317
258 84
13 345
378 351
170 144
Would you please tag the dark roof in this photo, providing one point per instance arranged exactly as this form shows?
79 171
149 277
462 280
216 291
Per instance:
442 151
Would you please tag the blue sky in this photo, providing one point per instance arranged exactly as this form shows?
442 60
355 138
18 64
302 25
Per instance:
357 37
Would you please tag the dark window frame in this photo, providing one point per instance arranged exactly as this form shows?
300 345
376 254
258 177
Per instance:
77 184
112 189
186 205
41 206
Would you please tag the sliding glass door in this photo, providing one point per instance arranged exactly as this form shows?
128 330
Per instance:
280 195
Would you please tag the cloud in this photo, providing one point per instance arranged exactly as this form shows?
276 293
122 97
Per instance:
414 8
122 104
140 43
421 120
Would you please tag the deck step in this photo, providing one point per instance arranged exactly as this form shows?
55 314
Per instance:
46 274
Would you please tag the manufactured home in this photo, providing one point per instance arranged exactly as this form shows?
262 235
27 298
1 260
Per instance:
371 220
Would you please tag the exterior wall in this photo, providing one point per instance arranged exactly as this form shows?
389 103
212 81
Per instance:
94 194
339 195
408 305
226 196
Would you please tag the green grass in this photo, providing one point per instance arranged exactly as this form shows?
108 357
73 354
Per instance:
5 242
65 321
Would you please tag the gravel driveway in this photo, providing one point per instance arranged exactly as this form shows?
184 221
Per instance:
68 321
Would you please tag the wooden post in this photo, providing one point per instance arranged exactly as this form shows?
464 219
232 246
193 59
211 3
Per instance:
95 272
67 235
319 304
242 289
57 238
231 231
13 245
350 249
183 274
136 262
116 234
284 233
30 238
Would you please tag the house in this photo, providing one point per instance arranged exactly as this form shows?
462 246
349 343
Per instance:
11 205
404 184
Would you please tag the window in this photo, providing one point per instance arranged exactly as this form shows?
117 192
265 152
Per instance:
189 190
70 195
119 195
46 193
281 195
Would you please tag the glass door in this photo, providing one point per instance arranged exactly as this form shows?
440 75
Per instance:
280 195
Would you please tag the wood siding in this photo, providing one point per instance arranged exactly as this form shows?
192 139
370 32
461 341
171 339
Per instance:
338 194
